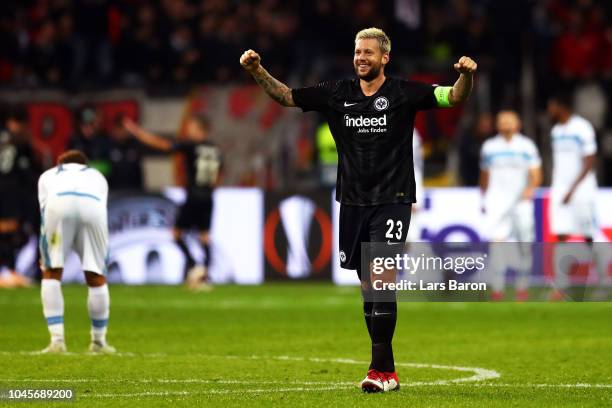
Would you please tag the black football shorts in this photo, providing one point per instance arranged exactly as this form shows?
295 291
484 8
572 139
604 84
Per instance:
195 213
379 223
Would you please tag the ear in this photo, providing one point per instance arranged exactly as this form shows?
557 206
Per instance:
385 59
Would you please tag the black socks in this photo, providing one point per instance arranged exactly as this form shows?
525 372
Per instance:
206 249
382 327
183 246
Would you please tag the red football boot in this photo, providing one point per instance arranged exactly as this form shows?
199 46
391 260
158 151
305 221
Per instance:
374 382
392 381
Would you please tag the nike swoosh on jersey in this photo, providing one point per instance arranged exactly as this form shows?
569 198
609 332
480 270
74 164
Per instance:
346 104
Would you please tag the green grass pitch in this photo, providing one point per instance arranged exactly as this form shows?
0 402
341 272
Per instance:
306 345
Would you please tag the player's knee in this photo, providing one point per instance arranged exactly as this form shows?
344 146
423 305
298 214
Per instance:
94 279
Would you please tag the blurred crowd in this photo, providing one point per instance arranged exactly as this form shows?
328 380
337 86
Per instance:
97 42
68 43
523 47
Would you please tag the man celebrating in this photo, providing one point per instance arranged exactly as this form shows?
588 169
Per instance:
72 199
370 118
202 167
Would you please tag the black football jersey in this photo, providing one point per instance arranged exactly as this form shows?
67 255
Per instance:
17 165
373 136
202 165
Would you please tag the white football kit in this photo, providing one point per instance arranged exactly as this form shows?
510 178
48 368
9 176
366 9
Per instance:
72 201
508 216
571 142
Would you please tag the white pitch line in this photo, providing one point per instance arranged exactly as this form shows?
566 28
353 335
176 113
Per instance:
212 392
528 385
171 381
480 374
318 389
263 382
338 386
86 353
477 379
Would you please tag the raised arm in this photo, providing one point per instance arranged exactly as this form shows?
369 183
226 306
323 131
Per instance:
146 137
463 86
281 93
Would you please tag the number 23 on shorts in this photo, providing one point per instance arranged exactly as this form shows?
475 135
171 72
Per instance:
394 229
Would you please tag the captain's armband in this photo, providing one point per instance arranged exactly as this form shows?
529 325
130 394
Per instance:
442 94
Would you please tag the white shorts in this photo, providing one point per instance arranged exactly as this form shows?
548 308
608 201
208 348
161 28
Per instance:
574 218
73 222
516 224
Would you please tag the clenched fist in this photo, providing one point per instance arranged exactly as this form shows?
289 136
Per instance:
250 60
466 65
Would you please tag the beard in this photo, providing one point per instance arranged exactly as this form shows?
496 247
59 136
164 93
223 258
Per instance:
371 74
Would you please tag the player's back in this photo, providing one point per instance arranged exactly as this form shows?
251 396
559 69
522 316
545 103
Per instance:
72 180
203 164
571 142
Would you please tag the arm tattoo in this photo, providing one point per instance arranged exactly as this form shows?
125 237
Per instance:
278 91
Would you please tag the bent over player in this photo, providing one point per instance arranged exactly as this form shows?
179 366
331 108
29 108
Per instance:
72 199
371 118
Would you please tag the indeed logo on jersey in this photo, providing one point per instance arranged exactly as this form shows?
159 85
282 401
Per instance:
363 122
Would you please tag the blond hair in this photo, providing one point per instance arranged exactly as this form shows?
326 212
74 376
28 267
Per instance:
376 34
